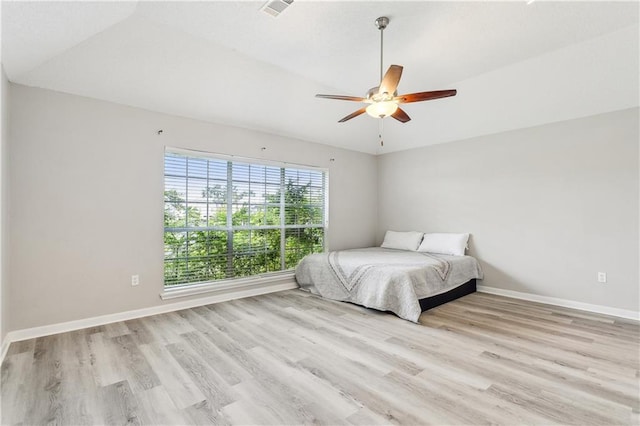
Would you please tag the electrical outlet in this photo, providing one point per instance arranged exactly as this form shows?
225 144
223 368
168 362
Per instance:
135 280
602 277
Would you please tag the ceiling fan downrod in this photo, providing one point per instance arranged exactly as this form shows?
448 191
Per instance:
382 23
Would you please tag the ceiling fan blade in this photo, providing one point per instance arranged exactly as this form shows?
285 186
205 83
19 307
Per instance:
353 114
425 96
401 116
341 97
390 81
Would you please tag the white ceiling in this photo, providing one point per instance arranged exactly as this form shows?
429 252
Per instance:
514 65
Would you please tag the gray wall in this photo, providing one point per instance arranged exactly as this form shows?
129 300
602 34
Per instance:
548 207
86 205
4 207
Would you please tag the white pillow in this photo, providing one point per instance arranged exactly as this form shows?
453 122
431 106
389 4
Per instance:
402 240
453 244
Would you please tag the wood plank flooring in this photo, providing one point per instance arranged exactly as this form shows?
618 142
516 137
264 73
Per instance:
294 358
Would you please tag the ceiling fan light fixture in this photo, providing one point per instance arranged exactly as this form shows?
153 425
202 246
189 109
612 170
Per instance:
383 99
382 109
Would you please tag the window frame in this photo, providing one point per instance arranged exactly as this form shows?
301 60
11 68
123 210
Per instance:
230 228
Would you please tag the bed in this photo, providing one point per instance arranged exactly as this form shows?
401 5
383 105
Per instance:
401 281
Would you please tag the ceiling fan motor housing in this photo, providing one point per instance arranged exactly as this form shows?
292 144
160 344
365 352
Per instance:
374 95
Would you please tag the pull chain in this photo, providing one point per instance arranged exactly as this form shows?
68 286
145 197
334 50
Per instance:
380 129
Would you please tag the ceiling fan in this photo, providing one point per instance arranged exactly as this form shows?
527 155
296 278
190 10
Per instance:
384 100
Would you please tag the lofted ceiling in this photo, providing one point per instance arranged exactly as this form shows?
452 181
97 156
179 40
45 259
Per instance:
514 65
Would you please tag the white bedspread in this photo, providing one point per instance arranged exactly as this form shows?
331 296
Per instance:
384 279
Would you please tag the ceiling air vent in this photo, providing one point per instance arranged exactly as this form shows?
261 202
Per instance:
276 7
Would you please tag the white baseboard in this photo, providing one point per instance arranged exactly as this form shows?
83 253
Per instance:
46 330
565 303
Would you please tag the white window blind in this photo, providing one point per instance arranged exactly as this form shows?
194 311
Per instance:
228 219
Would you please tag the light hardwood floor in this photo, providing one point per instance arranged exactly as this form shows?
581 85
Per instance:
293 358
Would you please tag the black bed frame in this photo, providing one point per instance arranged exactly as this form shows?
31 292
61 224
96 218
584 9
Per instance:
453 294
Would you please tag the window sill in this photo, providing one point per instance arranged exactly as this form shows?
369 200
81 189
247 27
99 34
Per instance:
228 286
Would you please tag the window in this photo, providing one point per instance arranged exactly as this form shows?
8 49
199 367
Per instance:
227 219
